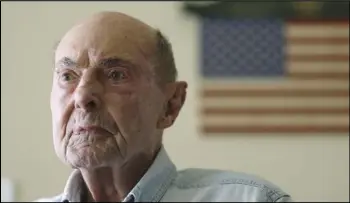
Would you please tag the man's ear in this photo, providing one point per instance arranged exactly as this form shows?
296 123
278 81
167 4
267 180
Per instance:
175 98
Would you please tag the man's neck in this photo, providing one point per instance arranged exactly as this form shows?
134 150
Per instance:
113 183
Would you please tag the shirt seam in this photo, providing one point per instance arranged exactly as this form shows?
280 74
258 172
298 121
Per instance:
281 197
263 187
162 190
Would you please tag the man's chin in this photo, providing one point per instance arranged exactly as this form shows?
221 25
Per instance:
86 158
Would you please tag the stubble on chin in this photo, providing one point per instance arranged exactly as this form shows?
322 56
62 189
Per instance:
90 152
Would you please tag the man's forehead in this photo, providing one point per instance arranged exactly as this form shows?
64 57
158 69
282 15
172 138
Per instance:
90 55
111 25
104 35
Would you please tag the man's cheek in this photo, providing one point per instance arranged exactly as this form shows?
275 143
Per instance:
62 108
128 115
59 99
125 111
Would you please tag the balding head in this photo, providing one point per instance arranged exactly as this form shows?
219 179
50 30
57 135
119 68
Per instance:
107 32
106 91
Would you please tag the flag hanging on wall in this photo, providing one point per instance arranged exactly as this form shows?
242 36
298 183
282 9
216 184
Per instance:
265 75
274 67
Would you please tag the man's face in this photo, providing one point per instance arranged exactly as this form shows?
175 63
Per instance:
105 101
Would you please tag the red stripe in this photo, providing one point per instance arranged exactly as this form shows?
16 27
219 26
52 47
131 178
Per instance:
318 40
274 93
337 22
289 111
319 58
313 76
275 129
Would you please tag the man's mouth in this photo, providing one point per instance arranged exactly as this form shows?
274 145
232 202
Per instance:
91 129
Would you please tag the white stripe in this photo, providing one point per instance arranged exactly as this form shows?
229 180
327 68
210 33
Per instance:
317 31
290 120
318 67
273 84
267 102
316 49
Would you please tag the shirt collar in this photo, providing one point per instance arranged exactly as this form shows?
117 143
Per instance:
151 188
75 189
156 180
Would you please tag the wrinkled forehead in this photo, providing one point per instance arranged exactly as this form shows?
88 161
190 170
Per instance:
107 38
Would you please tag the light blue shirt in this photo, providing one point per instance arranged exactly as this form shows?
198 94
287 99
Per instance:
163 183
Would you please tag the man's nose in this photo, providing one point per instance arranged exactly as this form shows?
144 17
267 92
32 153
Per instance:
88 95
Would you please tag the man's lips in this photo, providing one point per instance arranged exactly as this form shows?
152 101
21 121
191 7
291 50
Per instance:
91 129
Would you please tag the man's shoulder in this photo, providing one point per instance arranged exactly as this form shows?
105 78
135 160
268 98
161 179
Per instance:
206 177
57 198
229 181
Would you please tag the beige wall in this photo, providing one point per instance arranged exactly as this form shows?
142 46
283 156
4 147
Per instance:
310 167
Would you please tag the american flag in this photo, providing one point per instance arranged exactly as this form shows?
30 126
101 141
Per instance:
274 76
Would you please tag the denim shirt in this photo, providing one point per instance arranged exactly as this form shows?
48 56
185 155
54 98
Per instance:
163 183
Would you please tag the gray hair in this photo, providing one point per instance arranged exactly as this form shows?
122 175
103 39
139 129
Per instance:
165 64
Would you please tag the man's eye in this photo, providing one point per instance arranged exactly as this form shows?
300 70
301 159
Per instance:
117 75
67 76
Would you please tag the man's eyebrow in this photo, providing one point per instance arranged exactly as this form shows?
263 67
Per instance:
115 62
103 63
66 61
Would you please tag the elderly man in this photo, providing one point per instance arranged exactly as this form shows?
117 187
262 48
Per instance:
114 92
